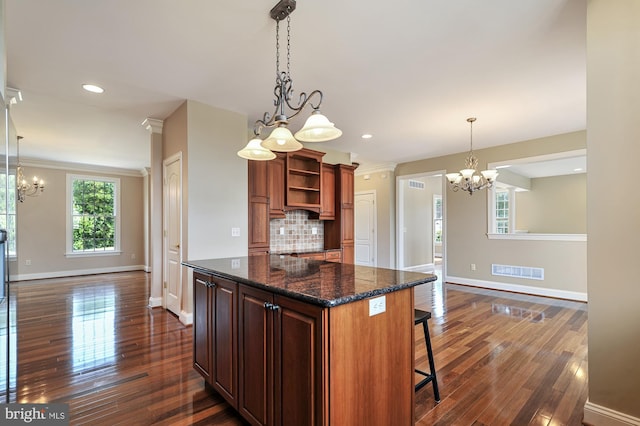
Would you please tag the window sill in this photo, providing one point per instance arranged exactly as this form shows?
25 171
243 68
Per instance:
538 237
94 253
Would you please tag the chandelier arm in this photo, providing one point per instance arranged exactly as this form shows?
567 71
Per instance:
305 100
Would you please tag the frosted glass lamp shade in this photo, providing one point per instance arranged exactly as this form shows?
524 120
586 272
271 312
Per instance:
452 177
490 175
255 151
467 173
282 140
318 128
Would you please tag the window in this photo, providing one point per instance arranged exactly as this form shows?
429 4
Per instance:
437 218
8 211
93 208
502 211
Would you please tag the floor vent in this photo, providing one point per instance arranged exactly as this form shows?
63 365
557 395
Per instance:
416 184
518 271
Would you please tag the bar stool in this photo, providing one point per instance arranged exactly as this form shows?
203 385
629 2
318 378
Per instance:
421 317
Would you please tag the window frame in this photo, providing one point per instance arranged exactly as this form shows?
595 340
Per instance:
71 177
11 215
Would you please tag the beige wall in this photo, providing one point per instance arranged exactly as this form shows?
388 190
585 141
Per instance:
613 211
212 175
383 183
466 226
554 205
42 225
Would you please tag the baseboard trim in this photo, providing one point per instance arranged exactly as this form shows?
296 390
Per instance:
421 268
155 302
186 318
75 272
597 415
518 288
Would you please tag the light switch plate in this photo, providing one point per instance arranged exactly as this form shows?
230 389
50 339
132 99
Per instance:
235 232
235 263
314 231
377 305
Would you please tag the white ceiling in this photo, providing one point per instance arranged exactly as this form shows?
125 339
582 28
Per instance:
409 71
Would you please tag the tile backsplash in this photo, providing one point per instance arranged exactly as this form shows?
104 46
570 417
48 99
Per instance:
298 233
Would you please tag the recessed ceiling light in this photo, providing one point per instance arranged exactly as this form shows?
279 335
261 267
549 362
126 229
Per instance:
367 136
577 170
92 88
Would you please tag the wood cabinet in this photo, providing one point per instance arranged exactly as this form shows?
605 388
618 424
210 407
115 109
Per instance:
303 179
224 340
339 233
215 342
328 195
281 361
259 231
333 256
280 351
201 325
276 172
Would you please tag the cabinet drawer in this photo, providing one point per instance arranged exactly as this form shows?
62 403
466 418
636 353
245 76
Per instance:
333 256
313 256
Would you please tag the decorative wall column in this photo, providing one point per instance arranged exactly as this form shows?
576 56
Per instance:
155 211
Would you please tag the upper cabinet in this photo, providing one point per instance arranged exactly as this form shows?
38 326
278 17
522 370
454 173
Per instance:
328 195
303 179
276 168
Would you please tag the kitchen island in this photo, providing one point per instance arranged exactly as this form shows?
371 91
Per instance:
294 341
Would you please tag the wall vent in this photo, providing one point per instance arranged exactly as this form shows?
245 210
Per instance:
518 271
416 184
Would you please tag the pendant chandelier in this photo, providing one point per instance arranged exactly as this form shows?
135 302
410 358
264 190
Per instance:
317 128
468 179
24 188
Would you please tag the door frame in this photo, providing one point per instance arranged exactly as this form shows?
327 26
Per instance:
400 215
176 157
374 240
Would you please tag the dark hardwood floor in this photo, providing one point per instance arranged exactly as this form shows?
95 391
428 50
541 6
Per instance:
91 342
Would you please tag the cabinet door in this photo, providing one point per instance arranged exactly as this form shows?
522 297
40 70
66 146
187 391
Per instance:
276 186
347 186
201 325
258 206
299 362
225 340
255 354
328 192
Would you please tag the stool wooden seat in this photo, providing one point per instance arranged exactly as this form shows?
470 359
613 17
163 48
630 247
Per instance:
421 317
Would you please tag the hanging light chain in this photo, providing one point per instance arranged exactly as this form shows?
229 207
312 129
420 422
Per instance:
277 48
289 46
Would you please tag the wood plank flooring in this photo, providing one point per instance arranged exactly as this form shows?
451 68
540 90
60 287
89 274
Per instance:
91 342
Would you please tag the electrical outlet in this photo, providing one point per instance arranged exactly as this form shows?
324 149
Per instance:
133 256
235 263
377 305
235 232
473 266
27 262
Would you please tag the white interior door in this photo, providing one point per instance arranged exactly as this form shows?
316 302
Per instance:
365 229
172 233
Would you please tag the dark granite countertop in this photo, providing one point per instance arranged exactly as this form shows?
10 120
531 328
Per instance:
313 281
302 251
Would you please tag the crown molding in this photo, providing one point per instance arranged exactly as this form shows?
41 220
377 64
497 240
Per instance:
375 168
78 167
153 125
